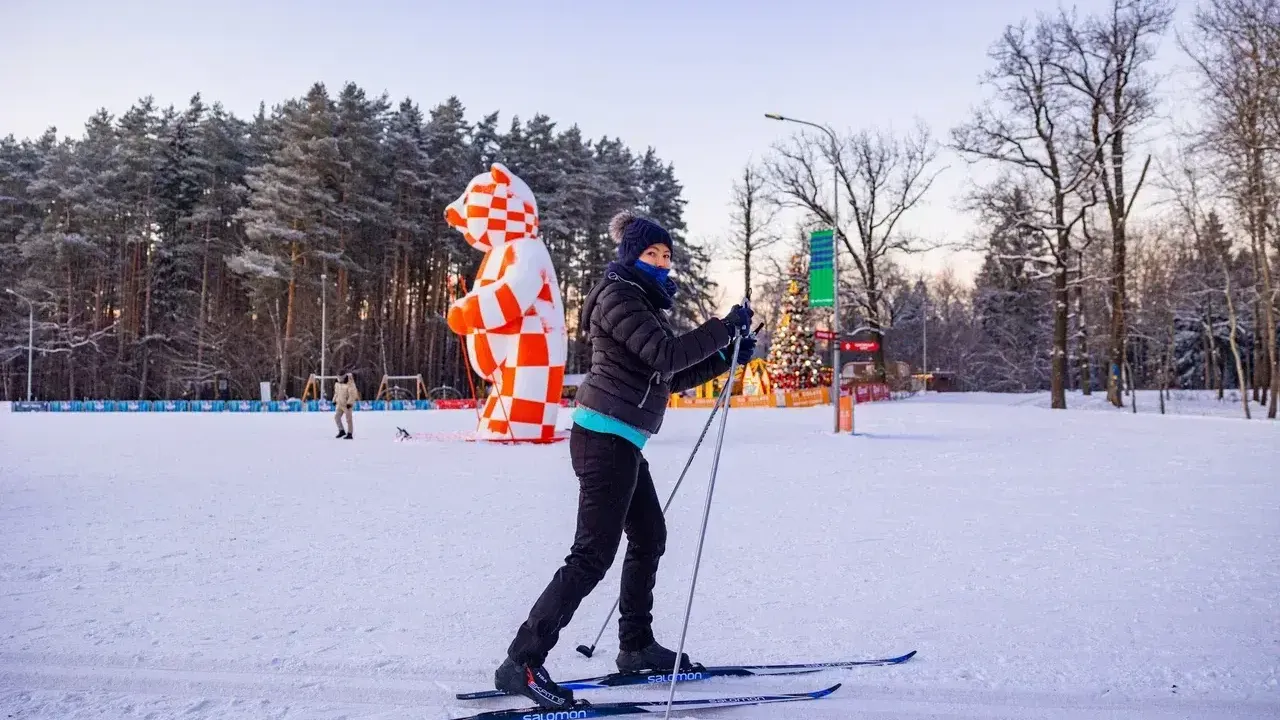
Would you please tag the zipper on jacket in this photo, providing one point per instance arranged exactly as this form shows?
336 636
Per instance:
656 375
648 389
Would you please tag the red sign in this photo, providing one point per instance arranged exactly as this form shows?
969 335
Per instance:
860 345
824 335
871 393
454 403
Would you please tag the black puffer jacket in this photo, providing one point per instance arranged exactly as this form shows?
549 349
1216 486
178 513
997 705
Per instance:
637 359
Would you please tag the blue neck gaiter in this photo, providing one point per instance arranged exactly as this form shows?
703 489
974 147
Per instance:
658 274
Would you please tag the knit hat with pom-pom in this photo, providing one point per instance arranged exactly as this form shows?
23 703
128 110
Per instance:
634 234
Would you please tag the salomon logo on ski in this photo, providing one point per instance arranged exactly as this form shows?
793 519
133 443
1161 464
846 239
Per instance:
555 715
739 700
682 677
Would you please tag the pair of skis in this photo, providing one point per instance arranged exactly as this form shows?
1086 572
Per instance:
621 679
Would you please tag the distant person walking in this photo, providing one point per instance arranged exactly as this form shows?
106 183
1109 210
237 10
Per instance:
345 396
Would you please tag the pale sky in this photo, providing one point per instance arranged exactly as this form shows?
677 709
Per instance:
691 78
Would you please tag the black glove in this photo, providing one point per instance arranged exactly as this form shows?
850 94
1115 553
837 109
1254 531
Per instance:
739 320
746 348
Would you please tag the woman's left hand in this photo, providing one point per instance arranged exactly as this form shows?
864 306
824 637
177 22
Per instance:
739 319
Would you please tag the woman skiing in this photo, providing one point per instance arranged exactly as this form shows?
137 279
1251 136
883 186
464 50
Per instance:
637 362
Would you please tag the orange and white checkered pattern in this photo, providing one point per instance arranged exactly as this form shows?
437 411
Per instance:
513 318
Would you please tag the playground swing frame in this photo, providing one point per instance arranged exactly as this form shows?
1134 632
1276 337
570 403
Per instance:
384 388
315 386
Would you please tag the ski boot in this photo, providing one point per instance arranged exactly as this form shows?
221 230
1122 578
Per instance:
533 682
654 658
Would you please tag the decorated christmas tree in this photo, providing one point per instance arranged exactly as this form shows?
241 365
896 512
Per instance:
793 364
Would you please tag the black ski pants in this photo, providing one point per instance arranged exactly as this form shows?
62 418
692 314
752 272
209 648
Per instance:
615 495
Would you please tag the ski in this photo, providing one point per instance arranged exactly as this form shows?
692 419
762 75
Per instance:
619 679
593 710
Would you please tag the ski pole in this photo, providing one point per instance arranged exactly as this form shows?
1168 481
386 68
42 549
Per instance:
706 513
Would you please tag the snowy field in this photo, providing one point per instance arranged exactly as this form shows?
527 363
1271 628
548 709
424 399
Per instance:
1045 564
1177 402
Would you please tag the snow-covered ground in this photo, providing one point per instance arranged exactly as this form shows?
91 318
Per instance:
1045 564
1177 402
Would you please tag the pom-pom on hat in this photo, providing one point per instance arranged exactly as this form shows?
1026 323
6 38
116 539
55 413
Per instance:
634 234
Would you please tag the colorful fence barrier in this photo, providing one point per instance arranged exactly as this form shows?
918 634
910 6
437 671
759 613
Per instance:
797 398
210 406
808 397
239 406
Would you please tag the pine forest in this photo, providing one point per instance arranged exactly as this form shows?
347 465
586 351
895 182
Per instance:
170 249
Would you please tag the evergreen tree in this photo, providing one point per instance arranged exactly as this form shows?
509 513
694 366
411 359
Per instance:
1012 294
661 198
793 364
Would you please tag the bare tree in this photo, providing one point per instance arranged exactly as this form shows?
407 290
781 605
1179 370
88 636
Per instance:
1078 285
1235 45
953 340
1104 62
1261 369
1027 129
1213 245
883 177
1157 281
752 218
773 280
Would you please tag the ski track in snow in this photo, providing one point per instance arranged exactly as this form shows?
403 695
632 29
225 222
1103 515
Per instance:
1045 564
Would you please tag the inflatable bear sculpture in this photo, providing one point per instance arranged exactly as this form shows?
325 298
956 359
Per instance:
513 318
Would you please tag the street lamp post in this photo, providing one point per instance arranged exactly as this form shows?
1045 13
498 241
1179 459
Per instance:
924 339
324 328
924 326
31 336
835 264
